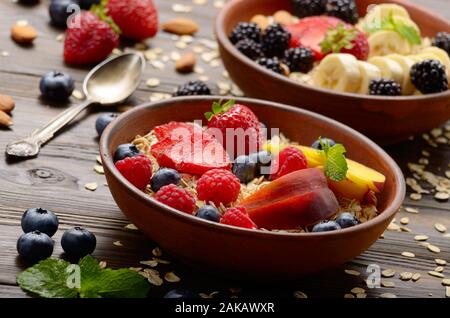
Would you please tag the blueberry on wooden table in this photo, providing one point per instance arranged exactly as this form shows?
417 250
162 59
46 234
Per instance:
163 177
326 226
209 212
104 120
124 151
34 246
60 11
39 219
78 242
56 86
180 293
347 219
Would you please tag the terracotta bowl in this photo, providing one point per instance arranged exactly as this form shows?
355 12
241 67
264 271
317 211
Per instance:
384 119
249 253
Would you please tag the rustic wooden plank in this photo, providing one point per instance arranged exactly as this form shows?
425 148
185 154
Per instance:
68 160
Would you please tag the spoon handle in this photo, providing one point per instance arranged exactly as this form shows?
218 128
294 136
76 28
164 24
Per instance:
45 133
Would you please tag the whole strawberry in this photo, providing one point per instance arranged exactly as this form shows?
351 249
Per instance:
236 127
238 216
137 19
346 39
137 170
290 159
88 39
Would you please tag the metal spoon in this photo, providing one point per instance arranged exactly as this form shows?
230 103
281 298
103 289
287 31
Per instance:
109 83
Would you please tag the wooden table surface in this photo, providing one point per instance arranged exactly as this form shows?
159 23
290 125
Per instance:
56 178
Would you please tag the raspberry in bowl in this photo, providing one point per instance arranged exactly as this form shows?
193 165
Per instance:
344 59
254 212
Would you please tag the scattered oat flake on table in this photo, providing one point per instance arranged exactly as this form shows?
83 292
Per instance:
447 292
151 263
300 294
420 238
442 196
440 227
415 277
361 295
439 269
349 296
157 252
412 210
91 186
210 295
161 261
152 82
387 284
357 290
352 272
393 227
102 264
406 276
135 269
415 196
388 295
131 226
433 248
388 273
436 274
200 2
60 37
99 169
5 53
446 282
404 221
440 262
181 8
78 94
219 4
408 254
153 277
171 277
117 243
99 160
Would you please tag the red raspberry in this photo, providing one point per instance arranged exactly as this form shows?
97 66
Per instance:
218 186
137 170
290 159
88 39
177 198
238 217
137 19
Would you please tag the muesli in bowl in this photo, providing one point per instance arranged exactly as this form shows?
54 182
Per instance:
232 170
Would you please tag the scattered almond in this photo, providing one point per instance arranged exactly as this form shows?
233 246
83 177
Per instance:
180 26
186 63
7 104
23 33
283 17
261 20
5 119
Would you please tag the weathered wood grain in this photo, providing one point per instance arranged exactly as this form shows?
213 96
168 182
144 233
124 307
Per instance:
56 178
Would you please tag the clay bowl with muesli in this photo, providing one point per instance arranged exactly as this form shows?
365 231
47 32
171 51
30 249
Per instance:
286 223
338 85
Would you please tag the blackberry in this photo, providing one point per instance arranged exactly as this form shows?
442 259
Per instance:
246 30
192 88
272 64
299 59
429 77
343 9
384 87
442 40
249 48
275 40
308 8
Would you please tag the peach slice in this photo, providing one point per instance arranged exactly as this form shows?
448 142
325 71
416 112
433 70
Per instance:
363 175
297 199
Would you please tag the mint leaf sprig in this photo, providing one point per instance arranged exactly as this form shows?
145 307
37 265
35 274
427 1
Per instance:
53 278
390 24
335 166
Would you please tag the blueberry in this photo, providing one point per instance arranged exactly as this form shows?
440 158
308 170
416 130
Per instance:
244 169
34 246
86 4
103 121
38 219
208 212
78 242
180 293
124 151
60 11
163 177
263 159
56 86
318 146
347 219
326 226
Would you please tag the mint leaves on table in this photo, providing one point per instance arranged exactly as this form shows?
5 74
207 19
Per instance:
335 166
56 278
390 24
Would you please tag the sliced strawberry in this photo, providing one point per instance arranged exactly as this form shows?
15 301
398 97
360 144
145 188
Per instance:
186 148
311 31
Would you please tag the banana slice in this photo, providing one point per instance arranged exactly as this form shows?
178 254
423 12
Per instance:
441 55
383 11
389 69
368 72
388 42
338 72
406 63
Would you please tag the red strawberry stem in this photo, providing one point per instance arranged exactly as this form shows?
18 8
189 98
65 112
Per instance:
219 108
102 12
337 39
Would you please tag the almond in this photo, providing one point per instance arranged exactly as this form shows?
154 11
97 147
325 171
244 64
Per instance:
7 104
180 26
23 33
283 17
5 119
261 20
186 63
